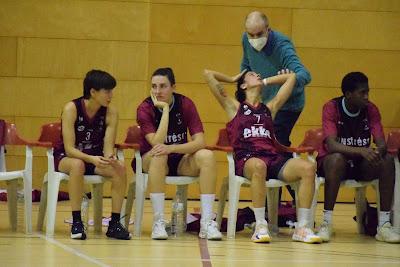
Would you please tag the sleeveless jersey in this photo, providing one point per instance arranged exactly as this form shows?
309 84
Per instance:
251 130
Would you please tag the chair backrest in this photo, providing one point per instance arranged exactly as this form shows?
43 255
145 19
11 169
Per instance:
133 135
51 132
313 138
11 136
393 140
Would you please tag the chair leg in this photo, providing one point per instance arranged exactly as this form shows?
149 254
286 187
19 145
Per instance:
129 204
396 195
53 185
273 202
97 191
140 191
234 192
12 186
222 200
42 206
361 207
314 203
28 201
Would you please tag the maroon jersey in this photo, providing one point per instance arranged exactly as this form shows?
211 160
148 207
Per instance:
350 130
89 132
182 116
251 130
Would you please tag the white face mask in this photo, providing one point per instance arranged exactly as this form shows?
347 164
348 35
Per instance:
258 43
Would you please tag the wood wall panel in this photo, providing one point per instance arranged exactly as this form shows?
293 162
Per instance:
100 20
62 58
369 30
328 66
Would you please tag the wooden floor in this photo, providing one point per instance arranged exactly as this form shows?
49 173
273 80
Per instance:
346 249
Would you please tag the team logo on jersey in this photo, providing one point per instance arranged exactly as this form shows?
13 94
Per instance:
81 128
247 112
259 131
178 118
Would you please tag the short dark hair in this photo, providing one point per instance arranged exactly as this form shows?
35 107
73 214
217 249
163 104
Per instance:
97 79
165 72
353 80
240 94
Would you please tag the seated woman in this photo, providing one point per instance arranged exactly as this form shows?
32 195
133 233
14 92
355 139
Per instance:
250 130
165 118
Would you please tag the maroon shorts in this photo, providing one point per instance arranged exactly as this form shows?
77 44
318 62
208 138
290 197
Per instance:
173 163
353 168
274 163
89 167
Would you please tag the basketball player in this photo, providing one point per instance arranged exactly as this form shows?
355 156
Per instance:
165 118
89 127
250 130
348 122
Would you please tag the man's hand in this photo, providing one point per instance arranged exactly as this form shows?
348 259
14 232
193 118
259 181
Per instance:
371 155
160 150
284 71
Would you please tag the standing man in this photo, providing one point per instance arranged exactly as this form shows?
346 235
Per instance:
268 53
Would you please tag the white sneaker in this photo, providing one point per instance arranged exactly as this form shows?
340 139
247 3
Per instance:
306 235
209 230
159 232
261 234
325 231
387 233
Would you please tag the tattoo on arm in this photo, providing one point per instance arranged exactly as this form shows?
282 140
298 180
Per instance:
221 90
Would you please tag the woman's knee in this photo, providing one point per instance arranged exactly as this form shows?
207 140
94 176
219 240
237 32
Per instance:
205 157
77 167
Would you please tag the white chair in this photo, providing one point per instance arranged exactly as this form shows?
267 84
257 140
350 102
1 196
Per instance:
51 133
393 144
132 141
235 183
9 136
314 138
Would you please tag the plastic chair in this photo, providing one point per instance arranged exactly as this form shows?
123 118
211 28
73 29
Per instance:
9 136
314 138
393 144
234 183
51 133
182 182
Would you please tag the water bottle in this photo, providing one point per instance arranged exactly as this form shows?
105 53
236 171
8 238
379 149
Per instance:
85 210
20 211
178 222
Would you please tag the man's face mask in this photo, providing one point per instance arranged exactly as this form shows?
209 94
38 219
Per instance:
258 43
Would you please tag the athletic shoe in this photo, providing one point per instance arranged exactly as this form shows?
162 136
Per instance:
261 234
159 232
325 231
387 233
117 231
306 235
209 230
78 231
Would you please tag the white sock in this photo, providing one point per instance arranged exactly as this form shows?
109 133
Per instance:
328 216
207 202
260 215
384 216
303 216
157 200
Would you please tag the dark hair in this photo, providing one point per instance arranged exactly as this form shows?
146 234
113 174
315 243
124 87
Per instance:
240 93
165 72
97 79
353 80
